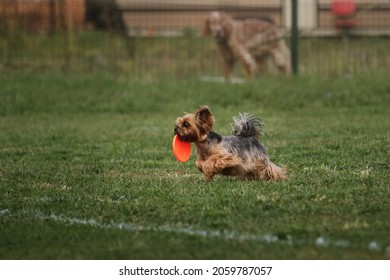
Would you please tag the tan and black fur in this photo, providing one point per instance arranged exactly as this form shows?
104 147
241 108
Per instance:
240 154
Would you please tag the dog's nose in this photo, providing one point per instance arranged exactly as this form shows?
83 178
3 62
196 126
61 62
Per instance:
218 33
175 130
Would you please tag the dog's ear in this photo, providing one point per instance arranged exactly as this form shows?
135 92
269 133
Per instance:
204 118
227 24
203 112
206 27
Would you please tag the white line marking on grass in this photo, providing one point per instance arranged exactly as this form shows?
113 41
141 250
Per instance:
225 234
36 215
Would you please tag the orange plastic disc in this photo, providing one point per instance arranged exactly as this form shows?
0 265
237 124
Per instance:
181 150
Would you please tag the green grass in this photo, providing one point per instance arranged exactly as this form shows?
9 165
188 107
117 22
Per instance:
82 154
181 57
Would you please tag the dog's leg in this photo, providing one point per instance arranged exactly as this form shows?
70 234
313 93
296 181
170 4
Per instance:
262 64
249 63
206 167
209 169
198 164
228 61
281 58
271 172
236 170
228 65
242 53
218 164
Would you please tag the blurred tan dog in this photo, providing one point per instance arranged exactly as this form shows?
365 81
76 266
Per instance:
253 41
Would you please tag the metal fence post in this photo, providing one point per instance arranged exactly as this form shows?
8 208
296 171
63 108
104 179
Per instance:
294 36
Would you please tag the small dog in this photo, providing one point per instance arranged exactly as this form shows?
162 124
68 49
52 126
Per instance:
240 155
253 41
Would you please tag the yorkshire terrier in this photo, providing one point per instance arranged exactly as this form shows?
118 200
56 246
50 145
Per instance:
240 155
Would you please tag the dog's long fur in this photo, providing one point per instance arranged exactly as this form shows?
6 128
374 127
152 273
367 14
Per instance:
240 155
253 41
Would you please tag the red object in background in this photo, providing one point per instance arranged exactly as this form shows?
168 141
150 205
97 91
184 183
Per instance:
344 7
345 13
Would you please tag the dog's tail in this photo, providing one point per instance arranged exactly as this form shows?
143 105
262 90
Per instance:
246 125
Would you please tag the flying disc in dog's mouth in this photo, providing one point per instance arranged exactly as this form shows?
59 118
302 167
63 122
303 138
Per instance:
181 150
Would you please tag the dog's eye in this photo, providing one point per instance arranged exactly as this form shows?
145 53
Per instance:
186 124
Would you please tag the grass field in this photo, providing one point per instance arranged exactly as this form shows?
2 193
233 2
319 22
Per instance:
181 57
87 172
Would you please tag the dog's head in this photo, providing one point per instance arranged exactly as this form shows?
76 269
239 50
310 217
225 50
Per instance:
195 127
218 25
